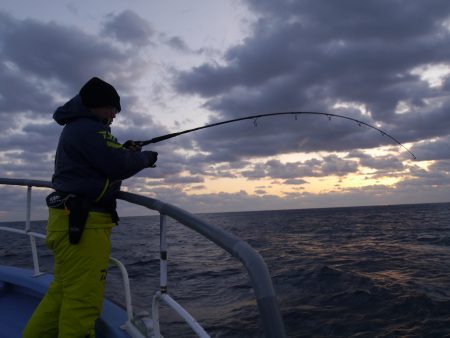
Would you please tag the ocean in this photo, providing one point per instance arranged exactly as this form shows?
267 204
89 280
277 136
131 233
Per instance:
378 271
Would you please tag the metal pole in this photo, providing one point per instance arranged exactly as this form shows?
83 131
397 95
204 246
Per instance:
162 273
37 272
163 253
126 285
155 314
28 211
193 324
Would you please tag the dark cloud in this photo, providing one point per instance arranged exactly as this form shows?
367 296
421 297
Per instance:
431 184
438 149
178 43
294 181
48 50
183 180
35 138
335 166
386 163
328 166
310 55
238 201
22 163
133 30
20 94
41 61
129 28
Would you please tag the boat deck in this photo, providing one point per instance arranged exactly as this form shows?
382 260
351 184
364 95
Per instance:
20 294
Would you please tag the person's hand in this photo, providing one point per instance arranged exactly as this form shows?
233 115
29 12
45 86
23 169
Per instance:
132 145
152 157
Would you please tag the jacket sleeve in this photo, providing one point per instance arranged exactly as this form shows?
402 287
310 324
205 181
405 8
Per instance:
105 154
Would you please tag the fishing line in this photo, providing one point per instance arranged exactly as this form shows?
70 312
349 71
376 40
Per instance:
255 118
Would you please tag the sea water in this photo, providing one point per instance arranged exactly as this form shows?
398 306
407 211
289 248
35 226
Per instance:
344 272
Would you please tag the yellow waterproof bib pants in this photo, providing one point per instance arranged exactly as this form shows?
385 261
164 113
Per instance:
74 299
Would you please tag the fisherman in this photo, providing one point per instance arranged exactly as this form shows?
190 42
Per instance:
89 167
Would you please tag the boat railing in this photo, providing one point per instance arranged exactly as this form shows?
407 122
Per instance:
270 316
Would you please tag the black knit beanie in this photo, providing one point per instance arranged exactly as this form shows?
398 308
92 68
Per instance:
97 93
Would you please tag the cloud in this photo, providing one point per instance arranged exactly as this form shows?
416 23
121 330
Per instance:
183 180
388 163
327 166
42 61
178 43
437 149
129 28
307 55
295 181
18 94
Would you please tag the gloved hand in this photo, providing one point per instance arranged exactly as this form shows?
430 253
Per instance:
152 157
132 145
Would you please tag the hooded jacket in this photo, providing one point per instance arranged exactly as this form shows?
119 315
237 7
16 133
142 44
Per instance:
89 161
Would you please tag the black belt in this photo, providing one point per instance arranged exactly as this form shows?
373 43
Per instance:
59 200
78 209
95 209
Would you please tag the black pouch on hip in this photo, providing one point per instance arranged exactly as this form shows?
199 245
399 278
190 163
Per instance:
79 211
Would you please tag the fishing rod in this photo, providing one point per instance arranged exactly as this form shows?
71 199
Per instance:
255 117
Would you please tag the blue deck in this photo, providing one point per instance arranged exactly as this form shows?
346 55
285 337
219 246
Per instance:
20 293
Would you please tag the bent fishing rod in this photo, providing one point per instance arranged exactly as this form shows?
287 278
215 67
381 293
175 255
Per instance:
255 117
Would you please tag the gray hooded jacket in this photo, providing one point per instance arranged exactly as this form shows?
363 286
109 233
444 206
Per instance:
89 161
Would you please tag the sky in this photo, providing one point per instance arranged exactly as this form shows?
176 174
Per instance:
182 64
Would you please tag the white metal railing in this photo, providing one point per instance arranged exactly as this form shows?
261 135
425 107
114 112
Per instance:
270 315
162 294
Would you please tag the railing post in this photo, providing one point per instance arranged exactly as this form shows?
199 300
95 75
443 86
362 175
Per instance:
126 285
155 314
28 211
37 272
162 274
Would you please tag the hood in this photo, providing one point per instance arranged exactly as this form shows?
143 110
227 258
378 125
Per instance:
71 110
